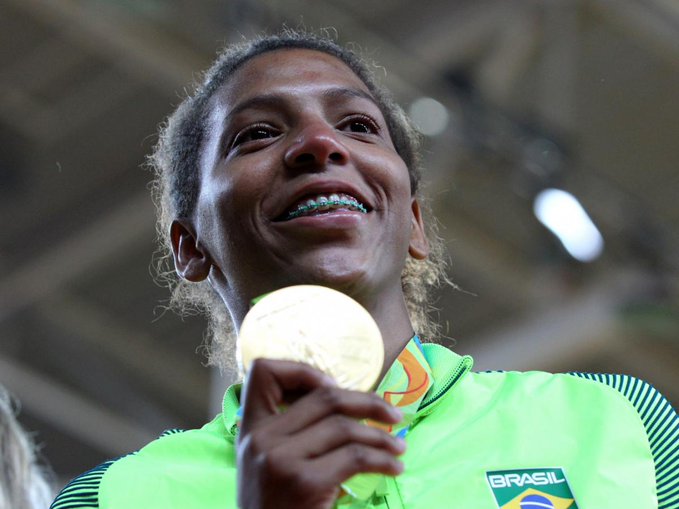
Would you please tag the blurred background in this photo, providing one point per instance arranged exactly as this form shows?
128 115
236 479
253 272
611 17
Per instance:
551 151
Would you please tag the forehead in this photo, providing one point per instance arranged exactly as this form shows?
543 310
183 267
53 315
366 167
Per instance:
284 71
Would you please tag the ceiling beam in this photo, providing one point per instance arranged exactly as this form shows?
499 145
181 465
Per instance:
456 35
558 65
22 81
45 63
88 421
370 44
127 40
652 20
514 48
659 367
568 330
90 99
122 229
93 325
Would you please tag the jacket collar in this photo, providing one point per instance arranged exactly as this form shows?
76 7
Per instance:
447 369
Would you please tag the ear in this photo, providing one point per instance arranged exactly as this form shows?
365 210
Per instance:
190 259
419 246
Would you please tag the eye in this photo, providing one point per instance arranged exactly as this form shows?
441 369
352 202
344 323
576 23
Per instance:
360 124
254 133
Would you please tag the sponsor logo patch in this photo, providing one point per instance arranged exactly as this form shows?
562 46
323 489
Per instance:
531 488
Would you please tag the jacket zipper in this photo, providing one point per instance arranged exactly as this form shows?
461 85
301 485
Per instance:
392 498
462 368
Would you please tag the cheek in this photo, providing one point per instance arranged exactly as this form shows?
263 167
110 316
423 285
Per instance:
213 214
232 189
396 180
387 167
250 178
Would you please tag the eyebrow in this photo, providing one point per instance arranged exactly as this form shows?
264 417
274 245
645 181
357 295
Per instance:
275 101
348 93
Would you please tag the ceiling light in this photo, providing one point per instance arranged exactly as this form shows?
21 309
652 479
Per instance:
429 116
562 213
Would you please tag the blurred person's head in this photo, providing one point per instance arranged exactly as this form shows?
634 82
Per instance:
22 481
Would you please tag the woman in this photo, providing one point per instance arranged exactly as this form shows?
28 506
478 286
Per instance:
290 166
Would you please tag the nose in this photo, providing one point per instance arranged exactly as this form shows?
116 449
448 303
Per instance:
316 145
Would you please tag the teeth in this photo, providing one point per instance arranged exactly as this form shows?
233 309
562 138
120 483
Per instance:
326 202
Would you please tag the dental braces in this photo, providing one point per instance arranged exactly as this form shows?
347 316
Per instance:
329 203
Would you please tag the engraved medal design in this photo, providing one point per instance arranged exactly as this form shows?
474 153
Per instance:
316 325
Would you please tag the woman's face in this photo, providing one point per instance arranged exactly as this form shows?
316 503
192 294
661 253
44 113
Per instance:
292 130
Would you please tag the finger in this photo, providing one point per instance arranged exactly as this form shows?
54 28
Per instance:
351 459
268 383
326 401
337 431
302 437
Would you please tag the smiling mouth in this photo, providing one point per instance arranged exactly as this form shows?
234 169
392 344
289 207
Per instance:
323 204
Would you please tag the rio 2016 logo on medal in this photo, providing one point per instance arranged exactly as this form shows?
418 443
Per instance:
531 488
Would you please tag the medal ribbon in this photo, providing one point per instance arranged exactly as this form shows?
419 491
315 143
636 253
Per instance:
404 386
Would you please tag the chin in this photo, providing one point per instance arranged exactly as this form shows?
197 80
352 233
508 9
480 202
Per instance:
333 276
354 279
348 270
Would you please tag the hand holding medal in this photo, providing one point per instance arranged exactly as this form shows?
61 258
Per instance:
320 434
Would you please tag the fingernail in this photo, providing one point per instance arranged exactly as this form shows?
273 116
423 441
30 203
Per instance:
401 445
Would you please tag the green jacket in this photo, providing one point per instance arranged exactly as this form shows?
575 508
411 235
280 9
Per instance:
480 440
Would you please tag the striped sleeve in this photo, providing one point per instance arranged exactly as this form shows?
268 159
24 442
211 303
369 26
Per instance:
172 431
662 428
83 491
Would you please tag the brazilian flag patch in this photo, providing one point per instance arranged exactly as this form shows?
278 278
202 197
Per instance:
532 488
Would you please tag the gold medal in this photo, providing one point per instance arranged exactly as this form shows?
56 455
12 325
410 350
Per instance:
318 326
